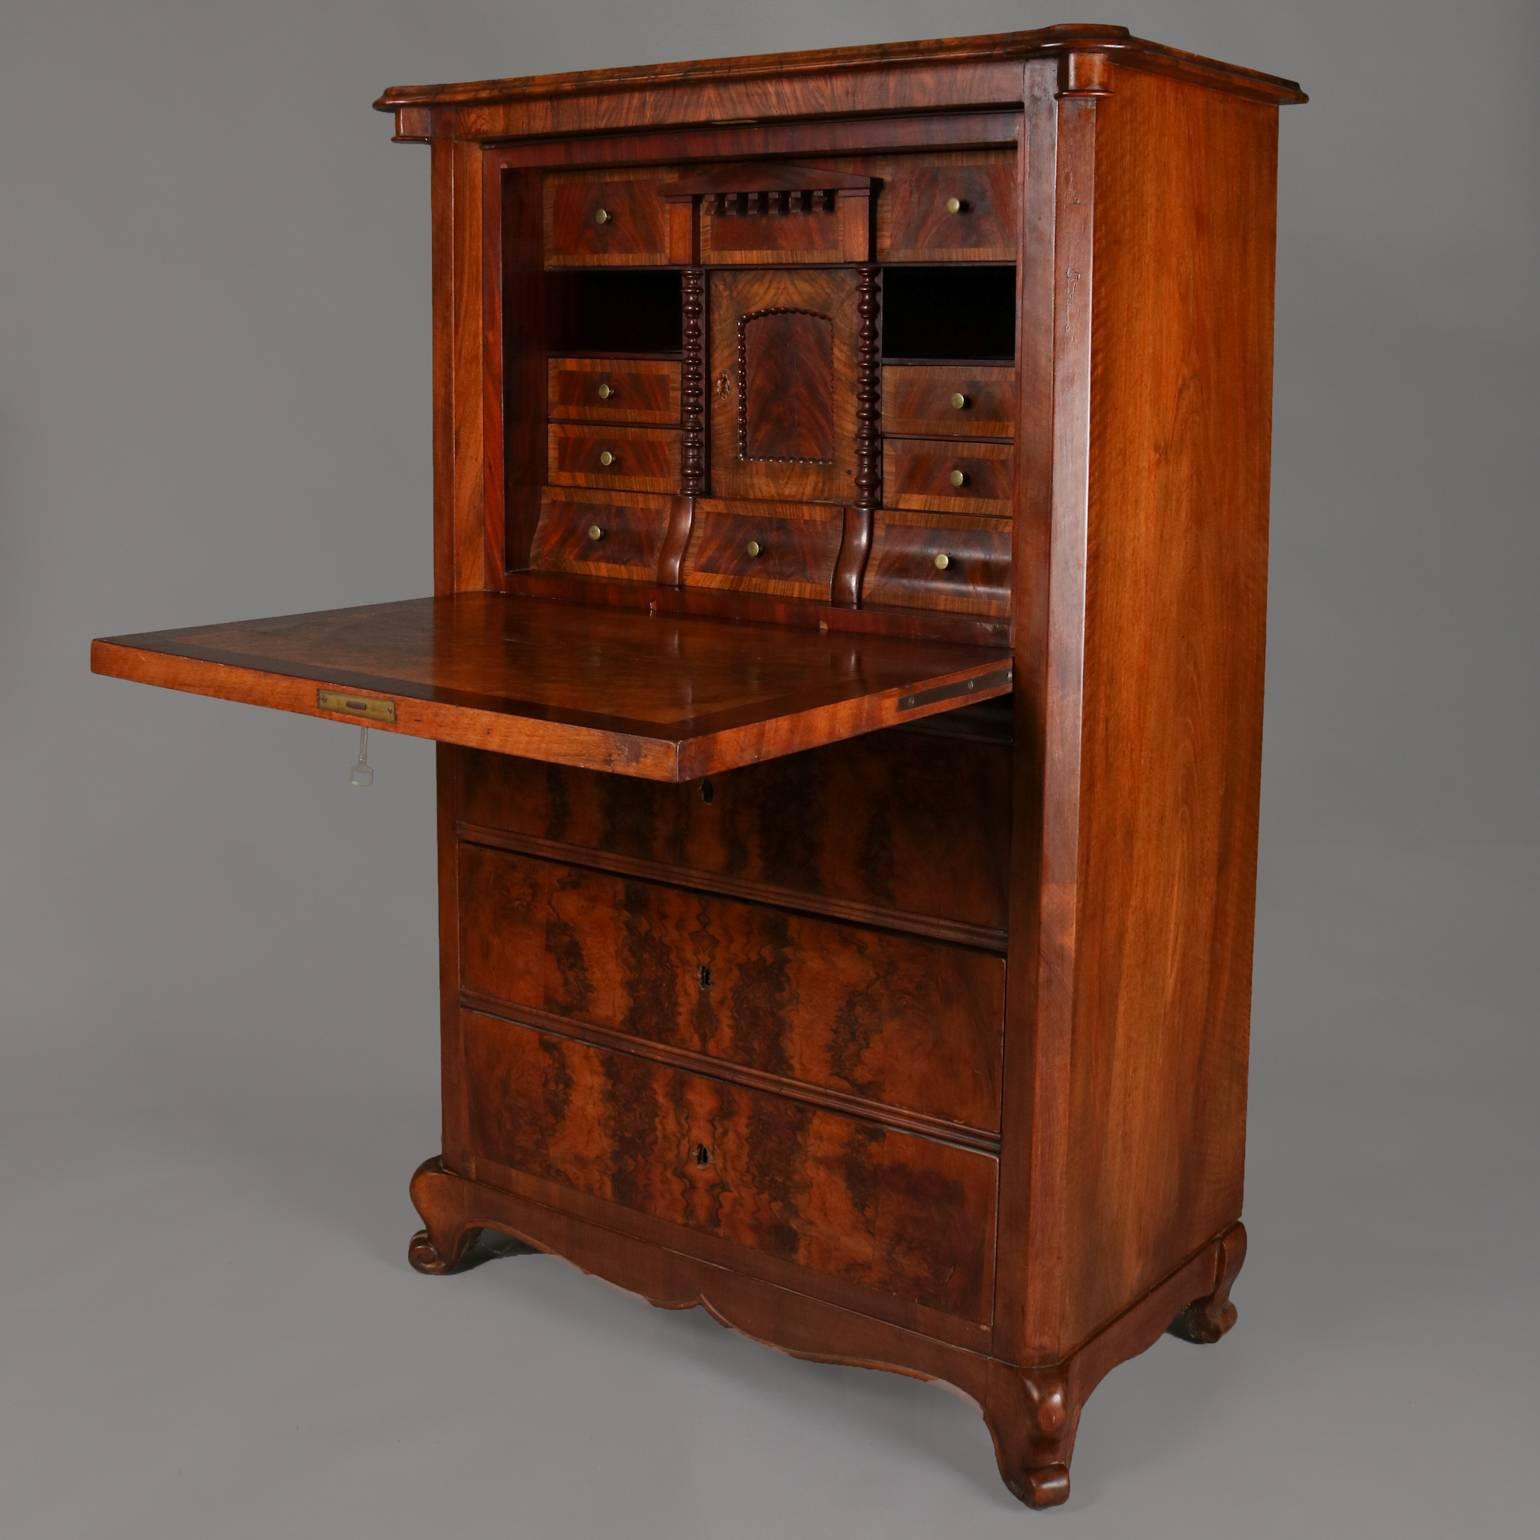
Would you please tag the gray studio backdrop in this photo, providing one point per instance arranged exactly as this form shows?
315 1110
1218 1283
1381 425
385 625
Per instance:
217 969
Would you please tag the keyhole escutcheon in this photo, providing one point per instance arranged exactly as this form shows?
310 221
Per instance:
702 1155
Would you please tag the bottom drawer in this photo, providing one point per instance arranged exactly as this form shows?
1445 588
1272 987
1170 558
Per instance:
888 1211
932 561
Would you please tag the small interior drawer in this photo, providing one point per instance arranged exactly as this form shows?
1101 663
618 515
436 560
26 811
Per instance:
771 548
948 207
600 534
948 476
605 219
949 400
631 459
640 390
932 561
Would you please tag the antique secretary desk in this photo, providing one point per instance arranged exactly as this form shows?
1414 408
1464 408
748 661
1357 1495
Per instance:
845 659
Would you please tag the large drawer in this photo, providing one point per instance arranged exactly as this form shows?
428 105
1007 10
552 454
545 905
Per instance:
933 561
893 1212
897 1020
910 825
639 390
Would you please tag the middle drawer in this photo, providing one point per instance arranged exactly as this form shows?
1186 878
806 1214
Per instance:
893 1019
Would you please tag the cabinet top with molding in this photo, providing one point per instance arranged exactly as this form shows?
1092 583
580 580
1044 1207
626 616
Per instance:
760 87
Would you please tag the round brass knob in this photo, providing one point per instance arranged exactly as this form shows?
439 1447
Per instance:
957 478
954 205
602 216
606 390
943 561
959 401
606 458
595 532
754 549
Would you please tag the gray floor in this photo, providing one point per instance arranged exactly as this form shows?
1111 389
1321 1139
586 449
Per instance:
211 1328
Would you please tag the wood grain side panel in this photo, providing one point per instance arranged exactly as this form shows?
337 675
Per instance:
852 824
892 1019
516 383
838 1196
1175 606
471 367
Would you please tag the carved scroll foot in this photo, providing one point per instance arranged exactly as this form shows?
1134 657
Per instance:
1033 1419
470 1249
449 1241
1207 1319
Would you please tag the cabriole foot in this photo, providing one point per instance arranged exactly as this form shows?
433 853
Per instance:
1207 1319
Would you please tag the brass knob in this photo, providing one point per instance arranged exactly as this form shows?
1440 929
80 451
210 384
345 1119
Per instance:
606 458
959 401
943 561
602 216
957 478
754 549
606 390
595 532
954 205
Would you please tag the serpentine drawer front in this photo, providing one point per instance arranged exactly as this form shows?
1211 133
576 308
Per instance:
844 660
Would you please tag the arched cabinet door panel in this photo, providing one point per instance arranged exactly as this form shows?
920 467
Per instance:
783 371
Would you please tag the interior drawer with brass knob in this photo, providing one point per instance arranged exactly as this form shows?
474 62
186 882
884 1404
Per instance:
605 219
770 548
931 561
944 476
949 400
630 459
600 534
640 390
950 207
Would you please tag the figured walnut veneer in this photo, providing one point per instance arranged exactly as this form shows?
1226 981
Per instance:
849 558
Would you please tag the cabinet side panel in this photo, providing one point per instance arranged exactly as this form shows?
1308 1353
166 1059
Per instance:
1175 603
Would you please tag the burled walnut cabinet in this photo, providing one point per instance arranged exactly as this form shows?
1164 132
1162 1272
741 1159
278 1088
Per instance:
849 549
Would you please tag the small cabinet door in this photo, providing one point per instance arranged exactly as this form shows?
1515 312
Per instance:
783 370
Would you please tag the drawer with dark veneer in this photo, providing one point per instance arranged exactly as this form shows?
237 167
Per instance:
897 1020
639 390
949 400
948 476
600 534
765 547
905 1216
930 561
632 459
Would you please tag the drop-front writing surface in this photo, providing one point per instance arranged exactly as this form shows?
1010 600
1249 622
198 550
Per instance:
849 548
